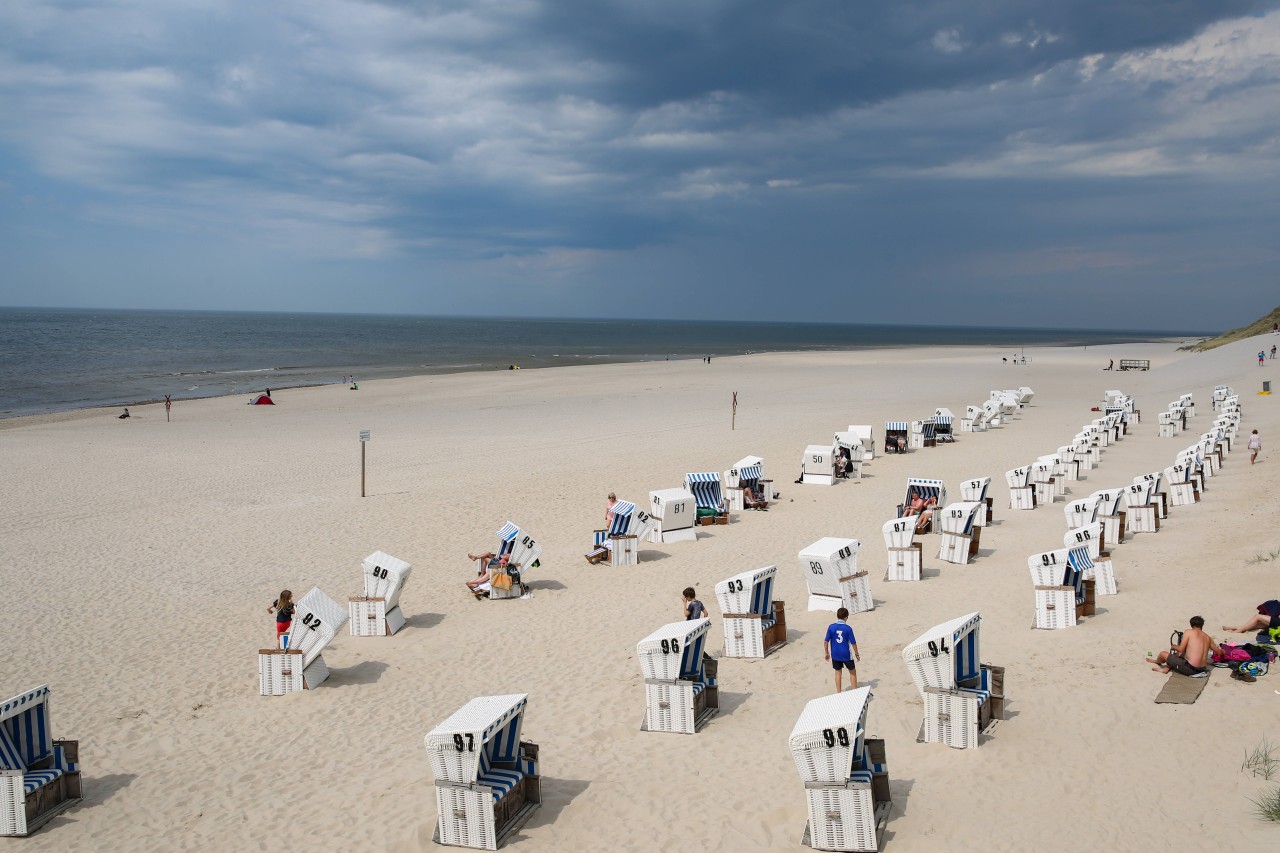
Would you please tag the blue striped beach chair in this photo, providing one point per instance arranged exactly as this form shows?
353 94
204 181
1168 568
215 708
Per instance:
620 544
924 434
944 424
929 490
317 619
830 568
1092 539
963 697
978 490
755 624
896 436
747 473
844 772
960 535
705 487
523 553
377 613
1058 578
486 778
39 776
679 677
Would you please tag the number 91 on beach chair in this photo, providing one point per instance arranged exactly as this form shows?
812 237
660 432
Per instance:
486 778
317 618
962 697
377 613
39 776
754 624
845 775
679 679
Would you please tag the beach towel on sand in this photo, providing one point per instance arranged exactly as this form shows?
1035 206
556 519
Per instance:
1181 690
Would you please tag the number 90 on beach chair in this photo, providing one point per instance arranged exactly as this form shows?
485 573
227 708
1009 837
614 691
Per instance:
317 618
679 678
486 777
377 613
754 623
39 776
962 697
830 568
845 774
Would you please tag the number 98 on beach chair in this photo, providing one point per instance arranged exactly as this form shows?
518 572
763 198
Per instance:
679 678
377 613
39 776
317 618
962 697
486 778
754 624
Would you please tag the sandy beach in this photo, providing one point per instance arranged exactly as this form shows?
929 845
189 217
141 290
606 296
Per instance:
141 556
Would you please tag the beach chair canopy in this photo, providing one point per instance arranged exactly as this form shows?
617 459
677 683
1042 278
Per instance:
828 740
706 490
317 618
1081 511
945 655
864 432
1089 535
1140 492
674 651
1061 567
749 592
384 576
481 732
925 488
1026 394
826 560
818 459
851 442
1018 477
899 532
929 428
896 426
1109 500
975 490
958 517
25 734
750 470
943 412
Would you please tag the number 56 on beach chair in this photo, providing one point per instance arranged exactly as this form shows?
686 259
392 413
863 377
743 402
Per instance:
317 618
39 776
377 613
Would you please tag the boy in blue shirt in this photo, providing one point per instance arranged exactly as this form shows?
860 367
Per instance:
841 648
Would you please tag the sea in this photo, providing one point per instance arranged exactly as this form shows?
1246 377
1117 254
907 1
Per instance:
55 360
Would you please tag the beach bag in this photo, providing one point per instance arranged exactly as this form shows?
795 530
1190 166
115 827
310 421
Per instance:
1231 652
500 581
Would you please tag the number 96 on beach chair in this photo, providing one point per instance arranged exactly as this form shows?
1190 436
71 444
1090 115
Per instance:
39 776
317 618
754 624
377 613
830 568
845 774
486 778
962 697
679 679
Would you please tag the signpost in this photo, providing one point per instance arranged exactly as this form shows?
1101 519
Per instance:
733 424
168 404
364 439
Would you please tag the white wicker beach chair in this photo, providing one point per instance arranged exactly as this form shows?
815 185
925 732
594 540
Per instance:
754 623
962 697
1111 512
1026 394
928 489
1184 489
1141 512
1159 495
818 465
1102 572
1022 494
867 435
944 425
993 413
923 434
317 619
845 773
1167 425
960 535
680 679
39 776
1081 511
674 513
1059 588
1193 458
622 540
978 491
830 568
974 420
1043 480
705 487
486 778
905 557
852 444
748 473
1188 405
377 613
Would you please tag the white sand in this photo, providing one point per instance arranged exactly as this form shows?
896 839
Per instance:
140 556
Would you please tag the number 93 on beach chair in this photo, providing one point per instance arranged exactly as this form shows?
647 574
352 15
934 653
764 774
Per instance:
39 776
679 678
377 613
754 624
960 533
830 568
845 774
486 777
317 618
962 697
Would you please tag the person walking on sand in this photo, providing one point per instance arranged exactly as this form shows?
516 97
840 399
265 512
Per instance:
841 648
283 608
1273 352
693 608
1255 444
1262 357
1191 657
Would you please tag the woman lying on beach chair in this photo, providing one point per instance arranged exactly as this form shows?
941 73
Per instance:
487 561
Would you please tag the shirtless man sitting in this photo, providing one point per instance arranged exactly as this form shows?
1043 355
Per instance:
1191 657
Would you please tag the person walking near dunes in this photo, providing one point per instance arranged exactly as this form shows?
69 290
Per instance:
1255 444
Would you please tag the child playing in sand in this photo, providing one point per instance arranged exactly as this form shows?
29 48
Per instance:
841 648
283 608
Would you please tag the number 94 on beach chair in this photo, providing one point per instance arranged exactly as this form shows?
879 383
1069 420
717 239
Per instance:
962 697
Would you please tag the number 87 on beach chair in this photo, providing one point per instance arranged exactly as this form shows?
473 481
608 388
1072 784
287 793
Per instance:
39 776
486 778
962 697
845 775
754 624
679 679
377 613
317 618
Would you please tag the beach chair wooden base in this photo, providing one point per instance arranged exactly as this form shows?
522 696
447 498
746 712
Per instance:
368 617
1055 607
746 636
1102 575
1144 518
1046 491
905 563
957 717
674 706
1023 497
1113 528
470 817
959 548
625 551
1184 494
845 818
21 813
281 672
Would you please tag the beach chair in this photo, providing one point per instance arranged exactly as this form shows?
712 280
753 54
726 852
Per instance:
1045 481
897 437
866 434
845 774
1008 401
522 551
1141 511
1068 465
974 420
976 491
1182 485
39 776
1063 596
831 573
925 488
1188 405
317 619
1111 512
962 697
944 425
754 623
1192 460
486 777
1081 511
1022 494
747 472
680 680
377 613
705 487
818 465
1167 425
1159 495
674 514
621 542
993 413
923 435
1025 394
852 444
1102 572
960 536
905 557
1220 393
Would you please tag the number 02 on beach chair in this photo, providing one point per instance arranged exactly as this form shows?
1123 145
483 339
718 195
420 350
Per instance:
962 697
377 613
39 776
317 618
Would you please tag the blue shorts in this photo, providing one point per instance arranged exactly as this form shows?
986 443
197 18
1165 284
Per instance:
837 665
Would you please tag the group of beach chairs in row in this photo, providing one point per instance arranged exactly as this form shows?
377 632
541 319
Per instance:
1001 407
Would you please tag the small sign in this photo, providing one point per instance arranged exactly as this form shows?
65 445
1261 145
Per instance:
364 435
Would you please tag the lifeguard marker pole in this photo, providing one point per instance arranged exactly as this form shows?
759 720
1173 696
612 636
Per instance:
364 439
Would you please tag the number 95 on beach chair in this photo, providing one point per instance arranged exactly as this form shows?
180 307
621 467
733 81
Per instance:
39 776
679 679
962 697
754 624
317 618
377 613
486 778
845 775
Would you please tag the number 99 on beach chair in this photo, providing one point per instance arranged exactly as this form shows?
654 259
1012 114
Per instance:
679 679
830 568
845 774
317 618
377 613
39 776
754 624
486 777
962 697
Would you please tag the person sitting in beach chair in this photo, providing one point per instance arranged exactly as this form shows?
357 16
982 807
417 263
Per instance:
842 465
487 561
753 500
923 508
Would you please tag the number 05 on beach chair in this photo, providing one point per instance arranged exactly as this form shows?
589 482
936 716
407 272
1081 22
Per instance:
845 774
486 778
377 613
962 697
679 679
39 776
754 624
316 620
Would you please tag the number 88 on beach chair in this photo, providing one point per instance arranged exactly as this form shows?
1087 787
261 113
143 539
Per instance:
486 778
39 776
831 572
679 679
317 618
377 613
962 697
845 775
754 624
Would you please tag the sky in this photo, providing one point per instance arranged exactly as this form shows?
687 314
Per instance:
1021 163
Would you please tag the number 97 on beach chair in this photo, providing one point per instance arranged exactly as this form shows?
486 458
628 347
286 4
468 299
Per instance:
317 618
39 776
377 613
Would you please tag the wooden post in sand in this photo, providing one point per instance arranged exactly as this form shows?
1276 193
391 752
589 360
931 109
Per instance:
364 439
168 404
733 424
